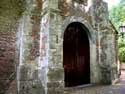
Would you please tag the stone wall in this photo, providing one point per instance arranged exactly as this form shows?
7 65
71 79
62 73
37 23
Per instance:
114 46
42 27
29 69
100 19
10 11
7 60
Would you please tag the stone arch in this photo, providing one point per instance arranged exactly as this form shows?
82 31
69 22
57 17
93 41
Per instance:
72 19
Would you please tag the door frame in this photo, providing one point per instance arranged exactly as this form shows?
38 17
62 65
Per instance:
84 34
94 66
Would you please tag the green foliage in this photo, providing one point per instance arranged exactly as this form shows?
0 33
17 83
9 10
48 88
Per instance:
121 54
117 16
121 42
121 50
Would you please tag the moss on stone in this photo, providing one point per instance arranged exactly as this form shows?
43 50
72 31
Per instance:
105 74
55 74
10 12
38 88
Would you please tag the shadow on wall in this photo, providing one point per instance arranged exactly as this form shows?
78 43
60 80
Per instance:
10 12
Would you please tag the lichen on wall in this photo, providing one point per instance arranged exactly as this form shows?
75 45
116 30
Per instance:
29 69
41 29
10 13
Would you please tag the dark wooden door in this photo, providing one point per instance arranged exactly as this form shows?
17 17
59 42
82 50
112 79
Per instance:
76 55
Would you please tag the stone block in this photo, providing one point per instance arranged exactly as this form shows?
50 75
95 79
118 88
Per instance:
12 92
38 88
53 4
55 87
25 92
54 91
105 74
35 74
31 87
52 45
25 85
24 73
53 84
55 74
27 72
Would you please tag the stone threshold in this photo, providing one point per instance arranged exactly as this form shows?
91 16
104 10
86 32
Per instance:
80 86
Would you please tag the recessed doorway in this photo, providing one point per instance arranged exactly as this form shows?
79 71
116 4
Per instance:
76 55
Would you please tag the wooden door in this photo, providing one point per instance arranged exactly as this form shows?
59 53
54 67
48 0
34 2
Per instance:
76 55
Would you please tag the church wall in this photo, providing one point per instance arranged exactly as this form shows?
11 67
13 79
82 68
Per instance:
10 12
42 28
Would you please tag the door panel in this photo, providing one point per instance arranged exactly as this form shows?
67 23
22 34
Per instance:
76 59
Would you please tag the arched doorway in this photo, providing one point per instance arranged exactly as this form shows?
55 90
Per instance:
76 55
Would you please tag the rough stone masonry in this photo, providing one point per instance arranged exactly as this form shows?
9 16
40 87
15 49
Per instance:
39 27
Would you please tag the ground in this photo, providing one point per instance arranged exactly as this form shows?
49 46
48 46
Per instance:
118 88
112 89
